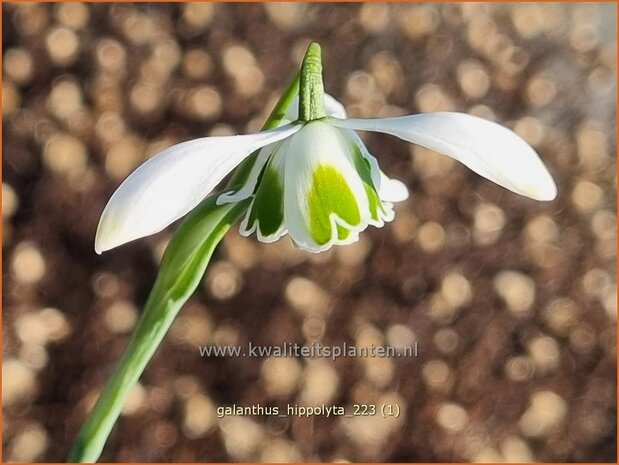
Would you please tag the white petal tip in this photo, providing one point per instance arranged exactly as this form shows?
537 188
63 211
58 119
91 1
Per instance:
392 190
109 236
545 194
542 189
101 246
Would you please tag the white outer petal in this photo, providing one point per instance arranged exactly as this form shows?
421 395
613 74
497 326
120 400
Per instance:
487 148
392 190
170 184
318 143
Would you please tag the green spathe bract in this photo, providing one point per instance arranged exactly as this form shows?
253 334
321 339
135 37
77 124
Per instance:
311 91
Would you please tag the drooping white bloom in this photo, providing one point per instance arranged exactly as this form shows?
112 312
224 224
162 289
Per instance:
315 181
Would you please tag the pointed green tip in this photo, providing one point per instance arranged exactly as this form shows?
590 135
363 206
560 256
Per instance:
312 61
314 49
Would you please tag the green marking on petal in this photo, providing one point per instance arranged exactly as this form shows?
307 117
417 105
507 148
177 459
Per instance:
373 201
363 168
342 232
268 206
330 194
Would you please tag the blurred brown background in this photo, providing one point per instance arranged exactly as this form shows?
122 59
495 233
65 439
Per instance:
512 302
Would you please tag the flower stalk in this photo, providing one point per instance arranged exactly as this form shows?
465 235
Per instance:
182 267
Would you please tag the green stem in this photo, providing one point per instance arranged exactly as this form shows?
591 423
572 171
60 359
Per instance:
181 270
311 90
166 299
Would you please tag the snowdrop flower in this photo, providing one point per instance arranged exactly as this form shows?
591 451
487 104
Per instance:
312 178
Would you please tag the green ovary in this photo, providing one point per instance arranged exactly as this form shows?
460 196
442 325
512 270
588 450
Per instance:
268 204
330 194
